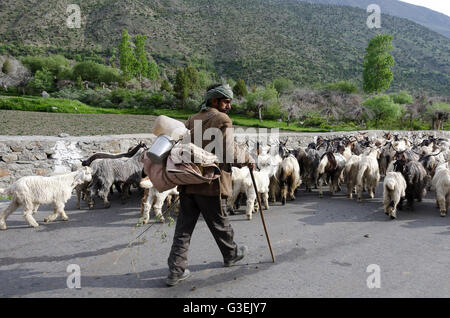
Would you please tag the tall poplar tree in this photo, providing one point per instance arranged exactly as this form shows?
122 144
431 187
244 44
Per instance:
377 73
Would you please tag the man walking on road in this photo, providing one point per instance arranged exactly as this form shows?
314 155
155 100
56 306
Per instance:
208 198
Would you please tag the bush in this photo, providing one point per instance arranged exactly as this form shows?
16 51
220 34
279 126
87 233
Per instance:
43 80
342 86
94 72
96 98
272 112
401 97
384 108
69 93
54 63
315 120
437 107
7 67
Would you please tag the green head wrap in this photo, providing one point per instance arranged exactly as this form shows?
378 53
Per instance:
222 91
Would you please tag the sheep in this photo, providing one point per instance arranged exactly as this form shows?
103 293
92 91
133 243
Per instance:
153 198
368 173
394 188
32 191
242 183
441 183
330 168
351 174
108 171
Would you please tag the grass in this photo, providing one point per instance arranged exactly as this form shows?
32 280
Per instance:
60 105
241 120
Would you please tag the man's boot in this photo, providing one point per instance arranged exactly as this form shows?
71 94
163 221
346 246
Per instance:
242 252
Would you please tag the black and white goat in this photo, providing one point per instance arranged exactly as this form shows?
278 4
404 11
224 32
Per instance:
330 169
415 177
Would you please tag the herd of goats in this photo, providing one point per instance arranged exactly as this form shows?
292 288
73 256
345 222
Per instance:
410 166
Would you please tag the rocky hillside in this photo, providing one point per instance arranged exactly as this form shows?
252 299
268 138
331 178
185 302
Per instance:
257 40
433 20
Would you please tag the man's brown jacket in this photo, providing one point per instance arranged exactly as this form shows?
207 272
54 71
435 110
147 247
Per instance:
213 118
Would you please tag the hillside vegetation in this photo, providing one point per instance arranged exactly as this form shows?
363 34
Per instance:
257 40
433 20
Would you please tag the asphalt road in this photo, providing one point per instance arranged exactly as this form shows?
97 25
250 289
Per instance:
323 248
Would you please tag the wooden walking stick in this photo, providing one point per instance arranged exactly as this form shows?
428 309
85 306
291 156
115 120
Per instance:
261 212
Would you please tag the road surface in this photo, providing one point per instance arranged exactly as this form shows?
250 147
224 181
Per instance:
330 247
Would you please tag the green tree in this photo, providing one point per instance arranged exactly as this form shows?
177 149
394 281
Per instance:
383 108
43 80
264 101
165 86
192 78
153 71
402 97
127 59
283 85
142 65
181 87
377 73
240 89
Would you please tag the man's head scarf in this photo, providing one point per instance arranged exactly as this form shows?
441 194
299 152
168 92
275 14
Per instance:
222 91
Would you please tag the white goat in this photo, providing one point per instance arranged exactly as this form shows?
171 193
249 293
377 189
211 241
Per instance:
153 198
351 174
368 173
242 183
394 188
289 178
32 191
441 183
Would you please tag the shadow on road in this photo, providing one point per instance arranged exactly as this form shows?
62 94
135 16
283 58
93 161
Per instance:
5 261
318 211
153 280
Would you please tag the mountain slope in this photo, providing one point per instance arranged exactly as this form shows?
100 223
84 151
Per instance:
433 20
257 40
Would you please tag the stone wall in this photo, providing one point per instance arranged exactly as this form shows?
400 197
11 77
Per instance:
42 155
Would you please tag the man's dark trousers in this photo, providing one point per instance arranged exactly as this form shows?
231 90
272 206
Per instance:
210 207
